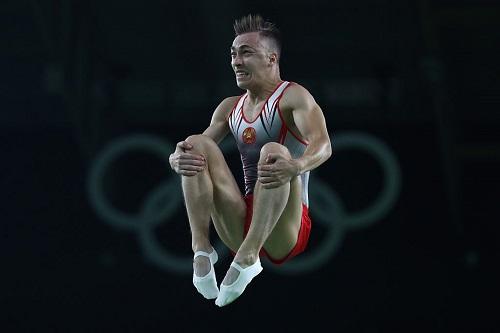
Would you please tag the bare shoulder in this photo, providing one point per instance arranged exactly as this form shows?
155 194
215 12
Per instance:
229 101
297 97
225 107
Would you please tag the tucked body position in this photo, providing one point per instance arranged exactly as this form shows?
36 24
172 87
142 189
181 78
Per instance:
281 135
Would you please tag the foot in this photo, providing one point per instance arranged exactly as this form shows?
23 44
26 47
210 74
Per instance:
204 278
235 282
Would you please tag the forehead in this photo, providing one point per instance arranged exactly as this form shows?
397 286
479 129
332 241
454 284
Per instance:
251 39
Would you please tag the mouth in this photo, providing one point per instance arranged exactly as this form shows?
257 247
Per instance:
240 74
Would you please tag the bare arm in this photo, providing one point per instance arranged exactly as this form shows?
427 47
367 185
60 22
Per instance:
310 121
219 127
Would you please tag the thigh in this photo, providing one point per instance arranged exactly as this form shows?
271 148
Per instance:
284 235
229 208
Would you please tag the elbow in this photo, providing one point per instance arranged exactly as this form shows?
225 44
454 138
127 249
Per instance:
328 150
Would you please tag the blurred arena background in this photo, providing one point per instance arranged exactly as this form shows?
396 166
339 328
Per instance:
94 94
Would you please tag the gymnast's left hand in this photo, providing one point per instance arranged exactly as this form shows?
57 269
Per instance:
277 170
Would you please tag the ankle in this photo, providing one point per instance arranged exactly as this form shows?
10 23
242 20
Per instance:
202 246
246 258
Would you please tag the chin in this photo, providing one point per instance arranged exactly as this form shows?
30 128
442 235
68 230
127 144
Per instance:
242 85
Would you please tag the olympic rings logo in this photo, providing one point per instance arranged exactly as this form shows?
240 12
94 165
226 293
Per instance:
162 202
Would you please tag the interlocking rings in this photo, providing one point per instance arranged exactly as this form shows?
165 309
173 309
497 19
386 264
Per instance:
329 210
162 202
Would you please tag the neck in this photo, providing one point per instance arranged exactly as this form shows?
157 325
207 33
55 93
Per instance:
263 90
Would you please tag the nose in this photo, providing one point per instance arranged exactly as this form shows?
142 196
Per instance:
236 61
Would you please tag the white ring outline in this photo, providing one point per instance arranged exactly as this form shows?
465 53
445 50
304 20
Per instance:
145 222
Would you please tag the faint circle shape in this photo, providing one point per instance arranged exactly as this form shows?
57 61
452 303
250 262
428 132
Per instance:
332 239
152 249
391 186
330 210
104 209
160 203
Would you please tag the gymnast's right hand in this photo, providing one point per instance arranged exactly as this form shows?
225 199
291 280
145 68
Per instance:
184 162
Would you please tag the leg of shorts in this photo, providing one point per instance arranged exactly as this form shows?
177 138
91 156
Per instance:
302 238
248 220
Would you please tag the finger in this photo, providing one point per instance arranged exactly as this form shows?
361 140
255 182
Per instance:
188 173
271 185
190 168
184 145
189 156
264 174
266 180
191 162
265 167
272 157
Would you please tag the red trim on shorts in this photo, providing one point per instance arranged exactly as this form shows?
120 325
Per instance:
302 238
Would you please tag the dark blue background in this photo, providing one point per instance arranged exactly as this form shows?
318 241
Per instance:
420 76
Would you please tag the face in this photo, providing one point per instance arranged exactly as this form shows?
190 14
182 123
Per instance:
251 60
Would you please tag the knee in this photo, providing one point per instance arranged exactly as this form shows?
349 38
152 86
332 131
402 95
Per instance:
200 142
274 148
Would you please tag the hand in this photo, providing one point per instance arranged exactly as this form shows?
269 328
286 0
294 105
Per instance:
185 163
277 170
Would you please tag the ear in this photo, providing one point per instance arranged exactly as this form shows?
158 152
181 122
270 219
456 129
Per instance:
273 58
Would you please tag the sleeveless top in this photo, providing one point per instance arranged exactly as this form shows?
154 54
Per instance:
269 126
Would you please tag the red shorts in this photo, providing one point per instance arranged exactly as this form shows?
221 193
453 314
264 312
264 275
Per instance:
302 239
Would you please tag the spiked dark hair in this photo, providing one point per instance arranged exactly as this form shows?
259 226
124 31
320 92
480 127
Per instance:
255 23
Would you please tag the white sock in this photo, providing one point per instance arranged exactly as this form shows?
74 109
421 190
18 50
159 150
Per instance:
207 285
231 292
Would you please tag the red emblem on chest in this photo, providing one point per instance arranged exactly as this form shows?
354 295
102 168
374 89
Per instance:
249 135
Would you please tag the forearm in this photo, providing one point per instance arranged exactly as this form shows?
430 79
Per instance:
314 155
